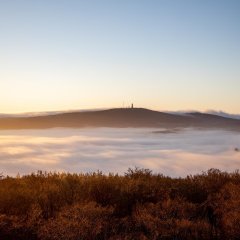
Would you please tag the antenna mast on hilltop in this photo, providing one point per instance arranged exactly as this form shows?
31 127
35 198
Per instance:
127 106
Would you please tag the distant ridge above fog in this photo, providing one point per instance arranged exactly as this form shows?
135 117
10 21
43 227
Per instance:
213 112
121 117
37 114
224 114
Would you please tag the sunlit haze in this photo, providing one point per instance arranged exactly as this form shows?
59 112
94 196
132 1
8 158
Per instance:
163 55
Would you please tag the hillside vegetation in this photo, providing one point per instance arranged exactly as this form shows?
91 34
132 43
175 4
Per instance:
138 205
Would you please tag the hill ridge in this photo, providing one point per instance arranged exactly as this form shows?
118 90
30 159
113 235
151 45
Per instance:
121 117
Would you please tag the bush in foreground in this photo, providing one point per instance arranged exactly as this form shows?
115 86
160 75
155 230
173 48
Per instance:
138 205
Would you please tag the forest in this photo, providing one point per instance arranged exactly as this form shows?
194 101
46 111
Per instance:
137 205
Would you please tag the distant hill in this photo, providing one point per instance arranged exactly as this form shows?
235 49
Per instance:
224 114
121 117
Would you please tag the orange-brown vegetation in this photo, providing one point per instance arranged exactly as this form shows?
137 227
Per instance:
138 205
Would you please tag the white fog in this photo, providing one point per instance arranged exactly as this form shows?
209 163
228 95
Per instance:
173 153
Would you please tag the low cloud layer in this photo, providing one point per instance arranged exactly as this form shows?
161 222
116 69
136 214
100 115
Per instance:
115 150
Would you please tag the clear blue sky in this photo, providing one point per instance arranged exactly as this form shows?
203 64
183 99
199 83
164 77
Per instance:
163 54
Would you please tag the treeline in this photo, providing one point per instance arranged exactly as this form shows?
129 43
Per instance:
138 205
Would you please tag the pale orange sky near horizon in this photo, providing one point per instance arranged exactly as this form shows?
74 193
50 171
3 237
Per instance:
32 97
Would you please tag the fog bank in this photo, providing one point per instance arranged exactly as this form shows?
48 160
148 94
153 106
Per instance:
173 153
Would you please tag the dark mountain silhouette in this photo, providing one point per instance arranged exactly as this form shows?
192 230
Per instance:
121 117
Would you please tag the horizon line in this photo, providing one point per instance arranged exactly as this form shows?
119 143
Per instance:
51 112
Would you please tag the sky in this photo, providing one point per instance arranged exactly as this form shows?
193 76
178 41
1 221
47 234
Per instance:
159 54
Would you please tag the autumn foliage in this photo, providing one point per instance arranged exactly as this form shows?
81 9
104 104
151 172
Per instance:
138 205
